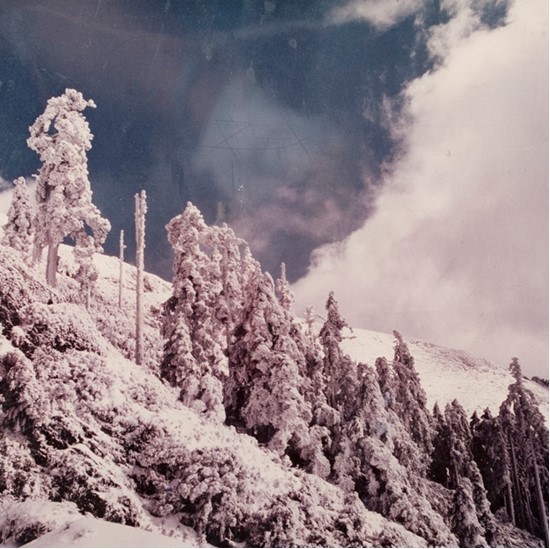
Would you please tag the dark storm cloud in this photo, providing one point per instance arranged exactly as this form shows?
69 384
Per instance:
265 114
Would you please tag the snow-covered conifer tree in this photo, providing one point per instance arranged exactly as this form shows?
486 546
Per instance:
264 394
526 435
284 294
193 357
491 455
462 465
439 470
410 399
225 276
61 136
340 371
18 231
464 520
140 211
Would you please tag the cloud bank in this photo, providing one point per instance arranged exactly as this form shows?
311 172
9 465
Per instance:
457 251
380 13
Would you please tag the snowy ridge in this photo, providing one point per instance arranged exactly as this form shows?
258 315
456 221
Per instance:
446 373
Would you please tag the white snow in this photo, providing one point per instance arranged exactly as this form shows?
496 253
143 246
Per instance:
69 528
445 373
92 532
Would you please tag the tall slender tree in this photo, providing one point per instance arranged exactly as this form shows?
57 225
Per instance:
122 247
526 436
62 138
284 294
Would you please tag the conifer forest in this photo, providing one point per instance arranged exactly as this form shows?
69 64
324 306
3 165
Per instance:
206 411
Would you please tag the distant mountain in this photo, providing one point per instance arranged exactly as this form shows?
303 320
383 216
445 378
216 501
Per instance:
446 373
87 434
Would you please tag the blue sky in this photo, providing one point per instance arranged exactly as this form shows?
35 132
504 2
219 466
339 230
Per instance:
272 115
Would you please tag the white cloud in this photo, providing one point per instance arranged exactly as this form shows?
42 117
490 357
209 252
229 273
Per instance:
380 13
457 251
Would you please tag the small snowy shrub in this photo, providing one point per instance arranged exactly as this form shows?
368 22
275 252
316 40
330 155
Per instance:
59 326
24 403
23 522
18 477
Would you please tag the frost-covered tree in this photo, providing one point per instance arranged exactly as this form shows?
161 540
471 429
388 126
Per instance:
264 394
193 359
464 520
403 395
340 371
208 298
463 466
490 452
18 231
526 436
62 137
439 470
226 276
379 460
410 399
284 294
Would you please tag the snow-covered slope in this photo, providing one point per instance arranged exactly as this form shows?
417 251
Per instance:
91 427
66 527
107 437
446 373
91 532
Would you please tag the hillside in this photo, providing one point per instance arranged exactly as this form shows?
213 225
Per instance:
88 433
88 426
446 373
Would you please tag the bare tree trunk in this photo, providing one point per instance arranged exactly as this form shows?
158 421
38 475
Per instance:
520 516
121 264
36 252
529 511
542 507
229 324
509 500
51 265
141 209
540 499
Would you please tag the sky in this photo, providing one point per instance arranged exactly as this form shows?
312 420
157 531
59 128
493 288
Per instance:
456 251
394 152
264 114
